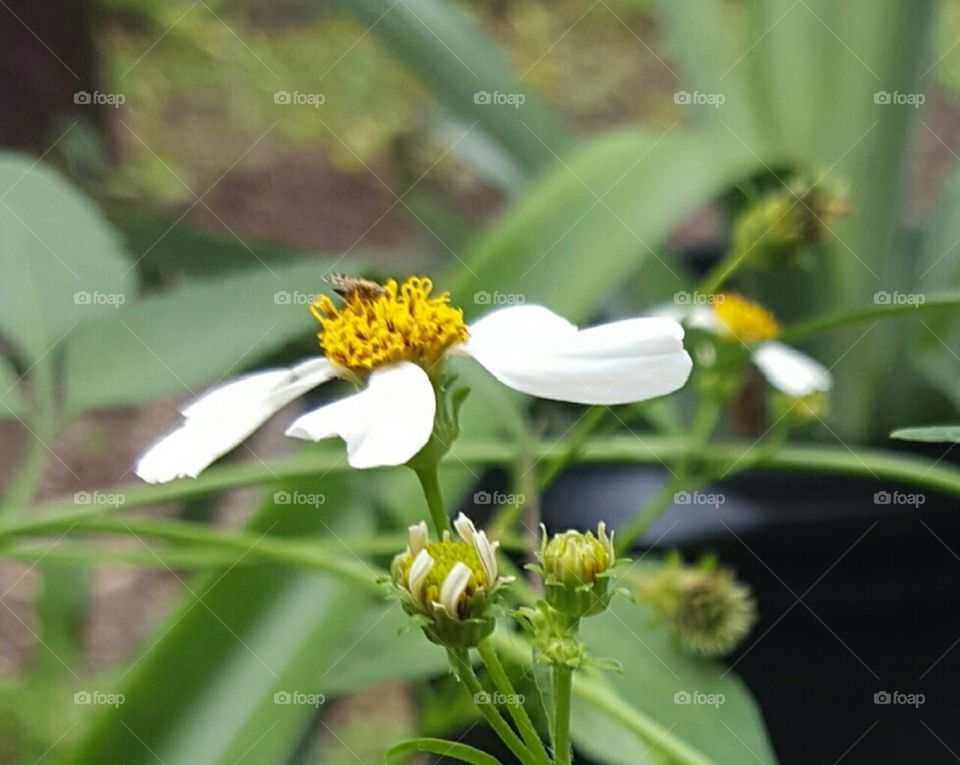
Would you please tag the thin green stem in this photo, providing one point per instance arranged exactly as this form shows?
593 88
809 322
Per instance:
460 660
430 482
572 444
562 686
514 705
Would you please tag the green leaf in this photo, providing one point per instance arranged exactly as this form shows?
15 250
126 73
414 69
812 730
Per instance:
442 46
60 263
617 198
178 341
444 748
716 718
221 678
934 434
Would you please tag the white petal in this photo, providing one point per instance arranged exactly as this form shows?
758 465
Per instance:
697 316
418 574
615 363
487 555
790 371
418 537
520 326
453 587
465 528
224 416
385 424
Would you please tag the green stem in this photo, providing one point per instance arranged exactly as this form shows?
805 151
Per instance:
562 686
430 482
638 524
514 706
460 660
571 445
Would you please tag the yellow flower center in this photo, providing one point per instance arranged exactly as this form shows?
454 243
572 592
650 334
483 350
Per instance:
744 319
378 326
445 556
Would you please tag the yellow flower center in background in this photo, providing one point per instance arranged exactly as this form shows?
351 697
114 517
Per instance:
445 556
382 326
745 320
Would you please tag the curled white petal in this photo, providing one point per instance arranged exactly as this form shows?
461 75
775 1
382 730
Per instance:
418 537
465 528
419 570
790 371
615 363
223 417
385 424
453 588
487 554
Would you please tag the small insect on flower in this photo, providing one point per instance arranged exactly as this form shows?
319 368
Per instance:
449 585
739 321
393 341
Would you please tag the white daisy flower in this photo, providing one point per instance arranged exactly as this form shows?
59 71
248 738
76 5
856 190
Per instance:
785 368
392 341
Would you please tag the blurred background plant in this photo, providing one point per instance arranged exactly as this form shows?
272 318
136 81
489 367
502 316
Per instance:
153 247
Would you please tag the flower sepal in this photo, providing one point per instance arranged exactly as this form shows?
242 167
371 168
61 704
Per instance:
446 424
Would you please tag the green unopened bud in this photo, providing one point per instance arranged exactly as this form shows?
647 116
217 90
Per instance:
708 611
554 638
576 567
449 585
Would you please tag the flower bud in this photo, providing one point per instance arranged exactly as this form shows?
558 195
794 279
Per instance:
576 567
708 611
449 585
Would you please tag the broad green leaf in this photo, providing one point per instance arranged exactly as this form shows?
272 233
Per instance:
178 341
253 652
60 262
454 749
708 710
467 71
934 434
590 222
